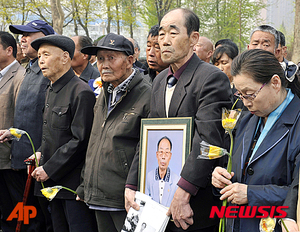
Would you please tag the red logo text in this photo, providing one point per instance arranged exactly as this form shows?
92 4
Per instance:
23 213
248 211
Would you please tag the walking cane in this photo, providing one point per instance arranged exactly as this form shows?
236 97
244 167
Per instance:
31 167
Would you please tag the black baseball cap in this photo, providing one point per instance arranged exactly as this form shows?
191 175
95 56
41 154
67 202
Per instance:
33 26
63 42
112 42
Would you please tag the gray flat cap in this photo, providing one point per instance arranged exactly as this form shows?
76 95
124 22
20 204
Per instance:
61 41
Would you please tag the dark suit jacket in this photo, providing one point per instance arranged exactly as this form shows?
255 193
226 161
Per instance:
201 92
9 88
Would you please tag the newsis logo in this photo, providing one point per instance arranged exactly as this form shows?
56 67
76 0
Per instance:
248 211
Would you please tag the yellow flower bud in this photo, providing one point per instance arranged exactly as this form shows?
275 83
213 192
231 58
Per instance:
17 132
50 192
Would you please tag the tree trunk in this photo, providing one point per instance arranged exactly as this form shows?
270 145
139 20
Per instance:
131 30
109 18
240 25
57 16
296 51
118 18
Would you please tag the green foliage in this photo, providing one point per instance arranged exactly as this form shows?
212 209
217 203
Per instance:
219 19
232 19
151 11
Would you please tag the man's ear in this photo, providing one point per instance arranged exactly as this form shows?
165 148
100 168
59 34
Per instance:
209 54
194 37
85 56
9 51
65 57
277 51
130 61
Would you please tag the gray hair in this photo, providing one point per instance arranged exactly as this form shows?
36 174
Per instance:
269 29
135 44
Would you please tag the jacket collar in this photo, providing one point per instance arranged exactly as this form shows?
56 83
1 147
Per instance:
62 81
9 74
137 78
180 88
34 67
279 130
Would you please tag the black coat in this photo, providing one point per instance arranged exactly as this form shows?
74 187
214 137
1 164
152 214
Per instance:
67 122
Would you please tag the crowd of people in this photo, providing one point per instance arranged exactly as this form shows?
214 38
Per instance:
82 105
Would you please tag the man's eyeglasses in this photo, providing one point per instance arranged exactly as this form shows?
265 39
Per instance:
161 153
249 97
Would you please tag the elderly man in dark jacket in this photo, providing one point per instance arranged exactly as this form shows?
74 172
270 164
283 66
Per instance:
67 122
124 101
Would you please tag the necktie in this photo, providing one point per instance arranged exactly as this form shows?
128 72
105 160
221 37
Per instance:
172 81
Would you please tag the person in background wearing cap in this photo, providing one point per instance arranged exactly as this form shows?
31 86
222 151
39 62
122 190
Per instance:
67 122
28 115
80 62
123 102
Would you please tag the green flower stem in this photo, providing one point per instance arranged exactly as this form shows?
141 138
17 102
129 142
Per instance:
69 189
229 167
6 145
36 162
235 103
284 225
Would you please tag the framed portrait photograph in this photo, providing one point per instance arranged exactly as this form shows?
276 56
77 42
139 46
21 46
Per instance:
164 146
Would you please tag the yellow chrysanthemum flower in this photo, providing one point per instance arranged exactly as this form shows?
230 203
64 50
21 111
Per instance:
229 123
215 152
208 151
17 132
230 118
50 192
267 224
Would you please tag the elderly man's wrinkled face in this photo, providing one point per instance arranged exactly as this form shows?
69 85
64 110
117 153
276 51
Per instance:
51 61
113 66
164 154
173 39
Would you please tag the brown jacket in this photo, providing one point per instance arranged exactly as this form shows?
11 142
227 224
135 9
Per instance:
9 87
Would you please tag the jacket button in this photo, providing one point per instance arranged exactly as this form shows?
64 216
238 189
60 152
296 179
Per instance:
59 113
250 171
47 105
45 122
44 138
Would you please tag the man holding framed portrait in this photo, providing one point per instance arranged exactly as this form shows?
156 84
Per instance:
188 88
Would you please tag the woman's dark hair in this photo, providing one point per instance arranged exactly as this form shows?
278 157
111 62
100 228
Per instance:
227 49
261 65
227 42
